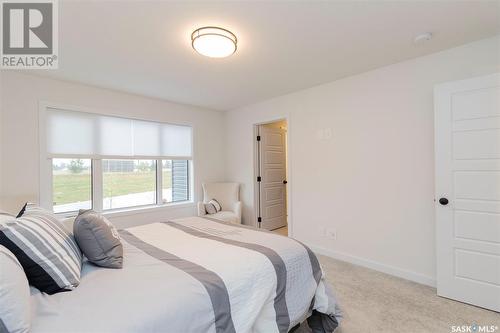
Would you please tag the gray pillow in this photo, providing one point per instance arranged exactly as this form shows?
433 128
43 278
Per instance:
98 239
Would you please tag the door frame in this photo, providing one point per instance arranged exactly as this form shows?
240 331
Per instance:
288 167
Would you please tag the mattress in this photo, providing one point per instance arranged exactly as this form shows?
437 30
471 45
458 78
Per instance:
194 275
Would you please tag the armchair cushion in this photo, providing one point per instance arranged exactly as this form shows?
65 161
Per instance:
226 216
228 197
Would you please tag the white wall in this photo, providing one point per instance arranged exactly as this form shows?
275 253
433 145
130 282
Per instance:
19 135
373 180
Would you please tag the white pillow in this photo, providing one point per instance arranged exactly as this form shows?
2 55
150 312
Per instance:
14 294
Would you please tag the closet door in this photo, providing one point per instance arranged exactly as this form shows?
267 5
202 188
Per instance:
467 148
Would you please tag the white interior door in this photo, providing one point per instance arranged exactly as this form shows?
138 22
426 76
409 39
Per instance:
272 151
467 147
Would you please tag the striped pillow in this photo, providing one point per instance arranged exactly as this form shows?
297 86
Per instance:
213 206
48 253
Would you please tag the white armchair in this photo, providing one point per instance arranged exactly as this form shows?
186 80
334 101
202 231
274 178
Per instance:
228 195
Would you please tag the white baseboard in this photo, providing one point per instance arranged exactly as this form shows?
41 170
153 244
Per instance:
391 270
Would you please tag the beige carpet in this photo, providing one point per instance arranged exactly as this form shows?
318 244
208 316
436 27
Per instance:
377 302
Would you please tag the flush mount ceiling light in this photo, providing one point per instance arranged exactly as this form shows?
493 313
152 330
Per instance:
214 42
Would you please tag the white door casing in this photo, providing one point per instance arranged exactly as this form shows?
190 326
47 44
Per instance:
467 151
272 166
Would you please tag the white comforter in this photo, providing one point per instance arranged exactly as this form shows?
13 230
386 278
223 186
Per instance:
193 275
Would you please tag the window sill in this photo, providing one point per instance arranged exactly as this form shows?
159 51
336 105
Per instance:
147 209
138 210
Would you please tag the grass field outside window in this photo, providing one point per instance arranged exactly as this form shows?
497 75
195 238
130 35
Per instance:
72 183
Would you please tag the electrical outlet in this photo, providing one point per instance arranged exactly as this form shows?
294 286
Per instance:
331 233
324 134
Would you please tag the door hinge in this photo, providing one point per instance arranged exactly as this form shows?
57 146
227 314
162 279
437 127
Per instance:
259 219
258 137
259 178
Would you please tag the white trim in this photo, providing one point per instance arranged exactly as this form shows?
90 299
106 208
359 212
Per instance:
97 185
256 192
289 174
45 167
147 209
159 182
377 266
192 195
138 210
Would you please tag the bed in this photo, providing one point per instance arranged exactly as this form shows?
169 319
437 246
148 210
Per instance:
195 275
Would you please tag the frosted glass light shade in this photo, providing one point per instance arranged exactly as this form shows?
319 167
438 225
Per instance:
214 42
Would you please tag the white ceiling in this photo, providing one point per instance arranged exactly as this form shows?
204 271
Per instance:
144 47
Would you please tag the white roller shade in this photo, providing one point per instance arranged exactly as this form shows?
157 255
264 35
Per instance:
147 139
115 136
72 134
176 140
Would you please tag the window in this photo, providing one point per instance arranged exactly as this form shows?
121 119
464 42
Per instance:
107 163
175 180
72 184
128 183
